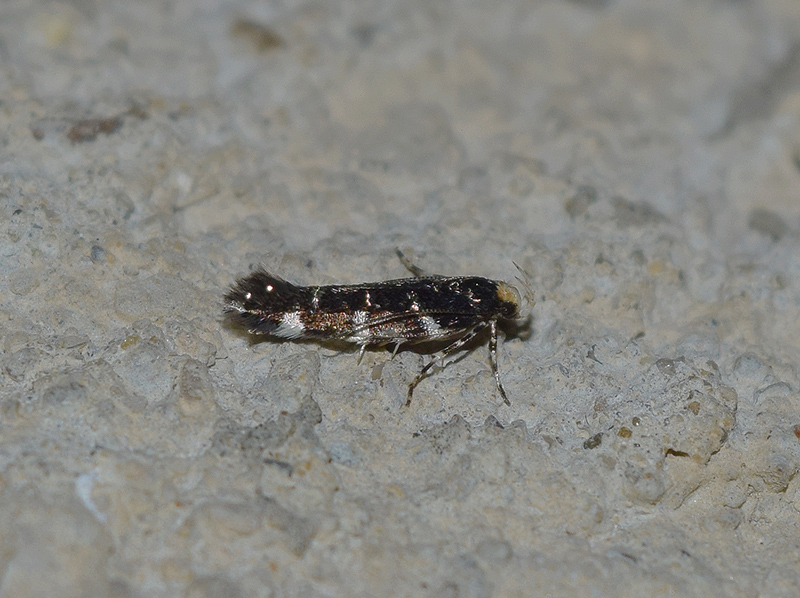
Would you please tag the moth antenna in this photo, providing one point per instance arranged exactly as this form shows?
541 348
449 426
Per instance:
410 266
525 282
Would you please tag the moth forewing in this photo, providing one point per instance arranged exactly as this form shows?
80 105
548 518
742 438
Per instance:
396 312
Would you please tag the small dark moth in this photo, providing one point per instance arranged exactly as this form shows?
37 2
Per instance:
396 312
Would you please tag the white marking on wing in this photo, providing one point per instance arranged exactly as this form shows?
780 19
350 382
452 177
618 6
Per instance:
290 327
360 321
430 326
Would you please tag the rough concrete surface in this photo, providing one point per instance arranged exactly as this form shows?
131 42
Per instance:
639 161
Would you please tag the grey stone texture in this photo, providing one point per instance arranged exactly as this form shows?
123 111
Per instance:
639 161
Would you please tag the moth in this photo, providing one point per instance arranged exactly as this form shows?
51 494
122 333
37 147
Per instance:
406 311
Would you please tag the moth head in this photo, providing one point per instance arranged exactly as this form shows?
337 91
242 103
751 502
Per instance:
509 301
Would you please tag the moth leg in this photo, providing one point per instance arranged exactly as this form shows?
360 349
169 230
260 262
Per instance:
452 348
493 359
396 348
411 267
361 353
